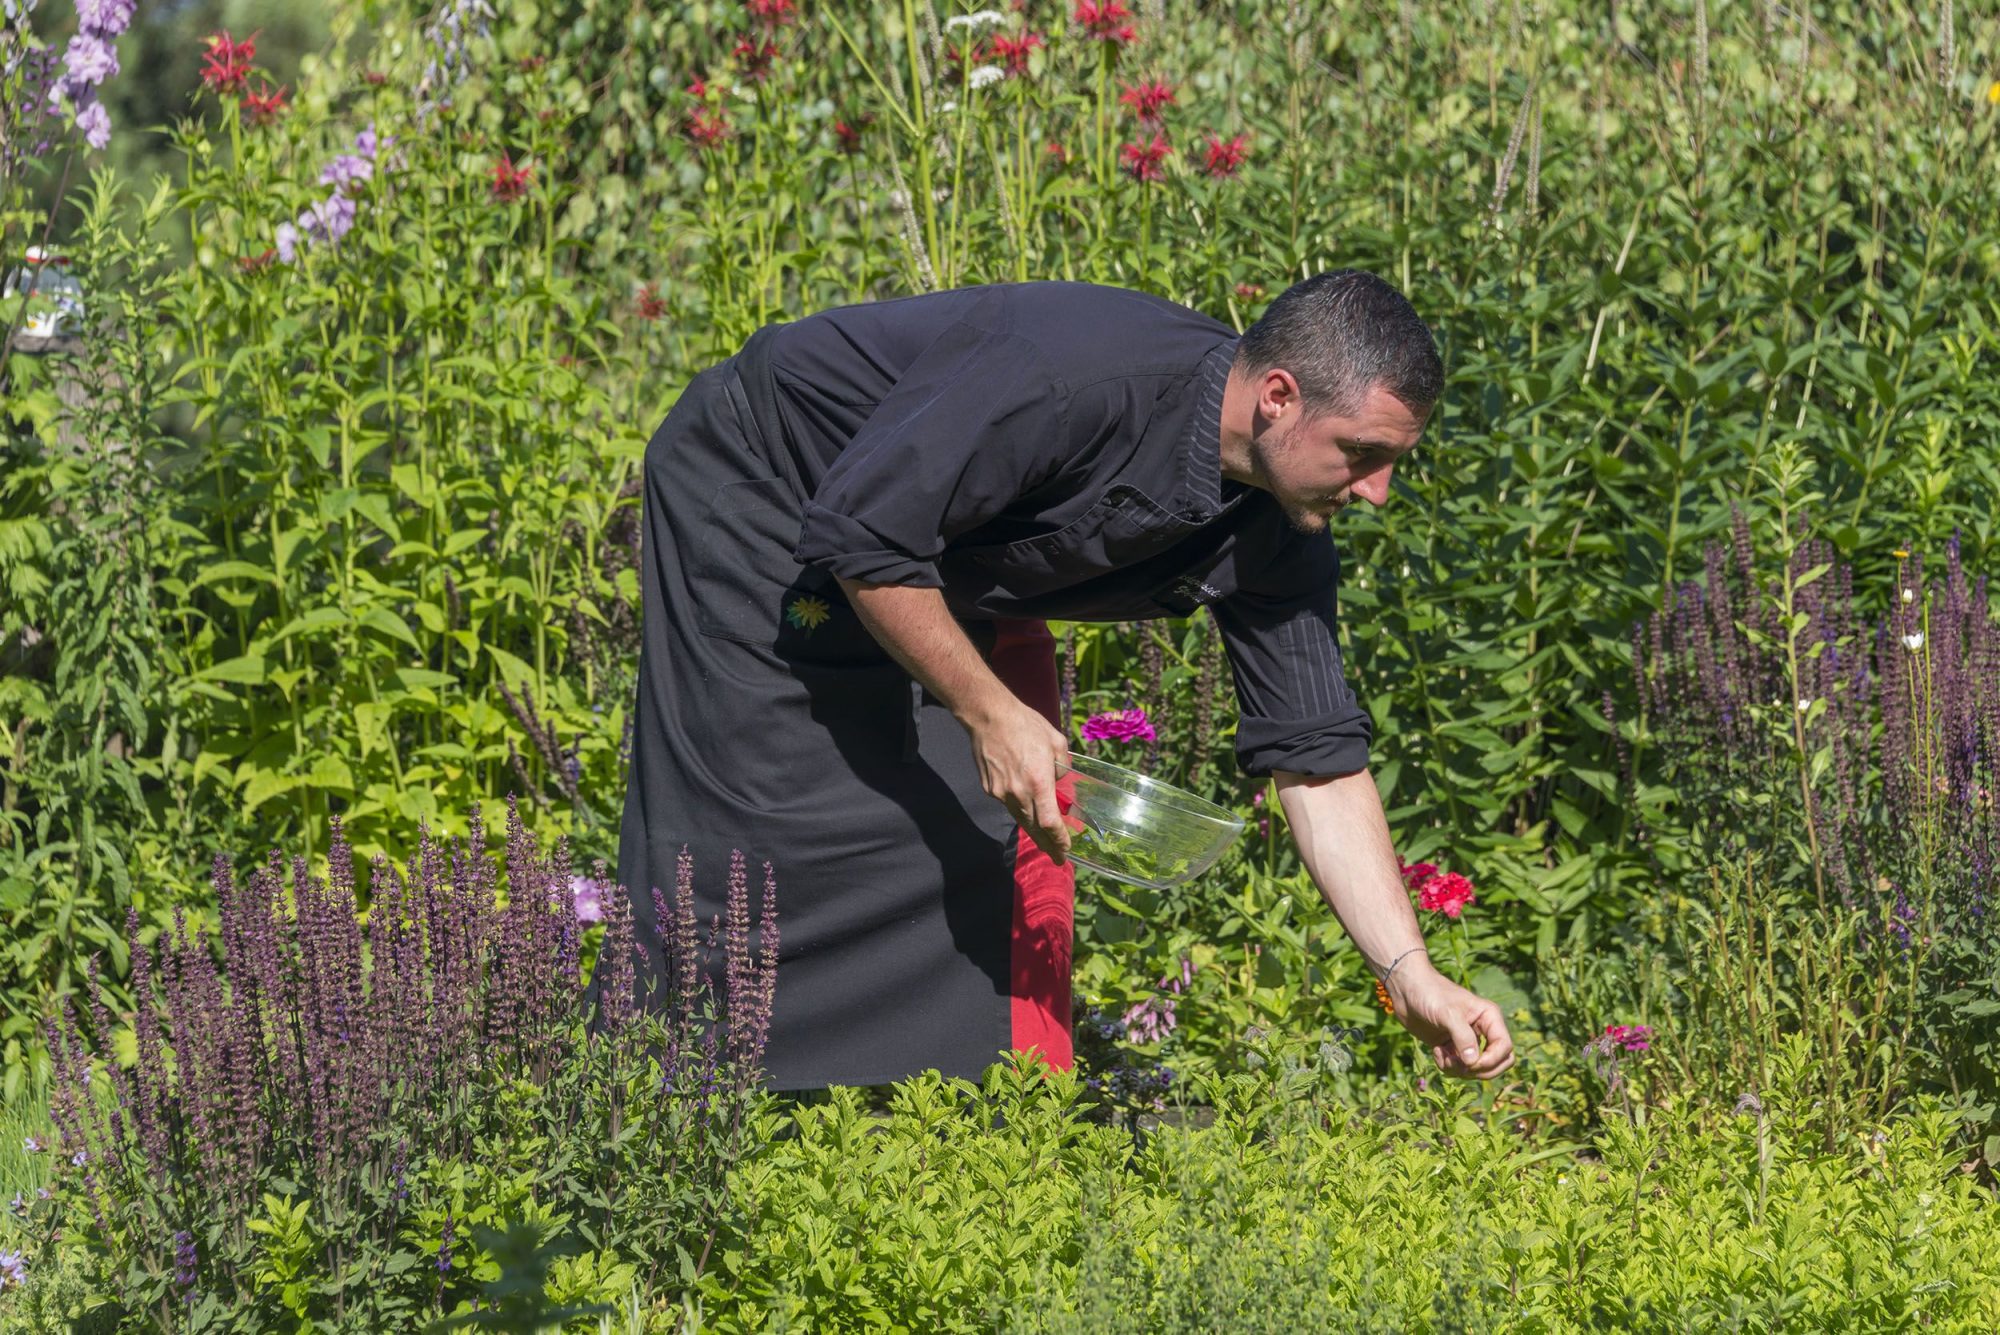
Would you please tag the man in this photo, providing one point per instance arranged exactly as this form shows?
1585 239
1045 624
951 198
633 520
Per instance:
854 529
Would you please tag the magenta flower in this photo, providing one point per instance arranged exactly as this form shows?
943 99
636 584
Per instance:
1628 1037
1121 725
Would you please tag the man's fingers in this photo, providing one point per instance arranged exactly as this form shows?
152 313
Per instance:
1463 1045
1499 1054
1049 832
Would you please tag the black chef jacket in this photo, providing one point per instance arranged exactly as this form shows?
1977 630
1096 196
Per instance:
1050 450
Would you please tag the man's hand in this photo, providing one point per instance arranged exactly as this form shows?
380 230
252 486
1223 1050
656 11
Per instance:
1019 756
1451 1022
1019 752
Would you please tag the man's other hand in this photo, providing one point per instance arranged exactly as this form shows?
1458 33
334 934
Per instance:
1019 756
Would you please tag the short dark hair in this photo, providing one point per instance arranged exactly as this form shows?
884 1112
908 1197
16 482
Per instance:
1341 333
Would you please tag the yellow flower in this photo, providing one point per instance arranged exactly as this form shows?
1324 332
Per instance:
808 613
1993 92
1901 554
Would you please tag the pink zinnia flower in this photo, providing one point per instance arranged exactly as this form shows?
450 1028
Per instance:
1123 725
1630 1037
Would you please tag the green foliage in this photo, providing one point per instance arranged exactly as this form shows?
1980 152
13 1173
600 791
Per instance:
976 1208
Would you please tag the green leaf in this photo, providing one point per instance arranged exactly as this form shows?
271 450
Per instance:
512 670
415 678
382 619
249 669
330 771
222 570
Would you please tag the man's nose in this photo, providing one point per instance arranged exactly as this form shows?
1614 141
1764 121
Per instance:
1374 488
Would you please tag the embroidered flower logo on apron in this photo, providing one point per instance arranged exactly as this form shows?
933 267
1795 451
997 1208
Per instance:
808 613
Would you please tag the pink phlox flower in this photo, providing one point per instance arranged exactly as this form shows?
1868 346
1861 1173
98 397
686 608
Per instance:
105 18
1447 893
90 60
346 170
1416 873
1150 1020
330 219
1123 725
95 123
588 896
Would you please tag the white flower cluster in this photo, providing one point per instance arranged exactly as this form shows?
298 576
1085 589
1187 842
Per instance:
973 22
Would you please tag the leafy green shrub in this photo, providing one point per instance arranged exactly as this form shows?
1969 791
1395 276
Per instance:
1000 1207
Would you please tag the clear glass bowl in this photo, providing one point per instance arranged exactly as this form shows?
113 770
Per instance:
1139 830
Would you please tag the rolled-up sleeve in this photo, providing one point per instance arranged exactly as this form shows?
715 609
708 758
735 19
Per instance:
1295 709
975 421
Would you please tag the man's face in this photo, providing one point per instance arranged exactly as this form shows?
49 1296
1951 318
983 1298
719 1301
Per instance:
1316 467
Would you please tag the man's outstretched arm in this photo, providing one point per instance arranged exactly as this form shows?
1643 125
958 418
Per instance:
1343 839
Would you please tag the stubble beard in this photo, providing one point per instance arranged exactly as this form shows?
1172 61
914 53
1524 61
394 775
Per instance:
1263 452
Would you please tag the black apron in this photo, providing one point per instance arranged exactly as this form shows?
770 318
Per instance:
919 928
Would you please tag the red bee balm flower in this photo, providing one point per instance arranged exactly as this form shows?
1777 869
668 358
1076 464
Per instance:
1224 156
756 57
226 67
1142 162
264 105
771 13
1447 893
510 182
706 129
848 135
647 302
1147 99
1013 52
1106 22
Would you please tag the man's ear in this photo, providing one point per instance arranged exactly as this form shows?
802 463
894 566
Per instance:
1277 393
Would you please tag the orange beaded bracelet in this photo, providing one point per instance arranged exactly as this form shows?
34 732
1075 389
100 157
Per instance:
1381 991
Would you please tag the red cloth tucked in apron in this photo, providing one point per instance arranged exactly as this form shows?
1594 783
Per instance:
1024 657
